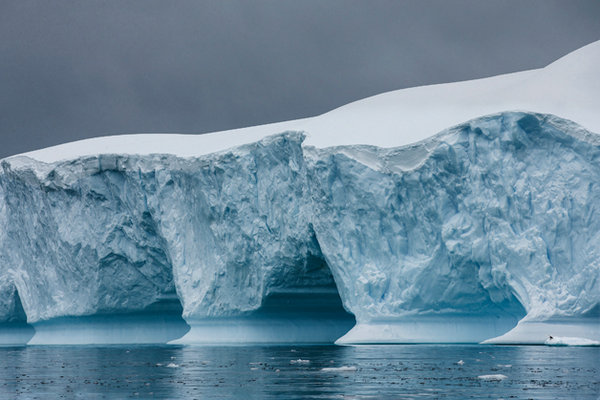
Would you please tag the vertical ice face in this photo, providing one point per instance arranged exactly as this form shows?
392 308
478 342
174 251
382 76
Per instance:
490 217
79 240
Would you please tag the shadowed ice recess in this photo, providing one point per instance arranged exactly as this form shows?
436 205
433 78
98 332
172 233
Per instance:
452 239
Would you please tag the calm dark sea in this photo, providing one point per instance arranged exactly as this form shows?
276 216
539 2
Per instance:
411 372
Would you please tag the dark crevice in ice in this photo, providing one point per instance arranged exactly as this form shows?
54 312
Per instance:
16 330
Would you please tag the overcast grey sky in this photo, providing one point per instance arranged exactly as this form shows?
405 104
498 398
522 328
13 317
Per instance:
76 69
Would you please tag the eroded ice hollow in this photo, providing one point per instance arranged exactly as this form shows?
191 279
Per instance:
14 329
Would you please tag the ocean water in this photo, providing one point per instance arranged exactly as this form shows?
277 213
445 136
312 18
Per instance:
303 372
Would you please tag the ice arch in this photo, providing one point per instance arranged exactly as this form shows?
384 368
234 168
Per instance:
238 229
305 310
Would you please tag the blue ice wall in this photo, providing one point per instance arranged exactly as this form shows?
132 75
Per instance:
495 217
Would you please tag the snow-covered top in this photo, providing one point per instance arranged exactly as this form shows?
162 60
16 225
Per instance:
569 88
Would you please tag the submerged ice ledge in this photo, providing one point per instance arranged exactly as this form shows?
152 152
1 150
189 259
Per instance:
159 323
578 331
453 239
429 329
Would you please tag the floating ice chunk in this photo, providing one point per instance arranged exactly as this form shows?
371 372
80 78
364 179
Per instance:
492 377
460 362
344 368
172 365
300 361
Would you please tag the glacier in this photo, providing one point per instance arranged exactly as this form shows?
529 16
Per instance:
489 230
454 213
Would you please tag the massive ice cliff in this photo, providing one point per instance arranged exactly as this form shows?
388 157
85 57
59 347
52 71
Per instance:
452 239
459 236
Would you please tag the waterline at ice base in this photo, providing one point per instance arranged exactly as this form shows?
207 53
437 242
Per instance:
458 213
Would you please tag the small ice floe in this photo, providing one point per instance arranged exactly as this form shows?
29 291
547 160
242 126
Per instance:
172 365
299 361
493 377
159 365
505 365
460 362
570 341
344 368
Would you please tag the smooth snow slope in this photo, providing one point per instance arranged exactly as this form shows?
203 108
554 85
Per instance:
569 88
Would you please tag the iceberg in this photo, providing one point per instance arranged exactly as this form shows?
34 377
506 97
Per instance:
373 223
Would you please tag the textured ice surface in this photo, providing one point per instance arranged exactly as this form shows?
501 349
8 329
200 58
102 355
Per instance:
78 239
499 215
452 239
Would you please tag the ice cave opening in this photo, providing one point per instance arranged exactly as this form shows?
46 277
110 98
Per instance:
305 310
15 330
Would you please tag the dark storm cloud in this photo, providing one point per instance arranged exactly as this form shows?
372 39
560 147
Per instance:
76 69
